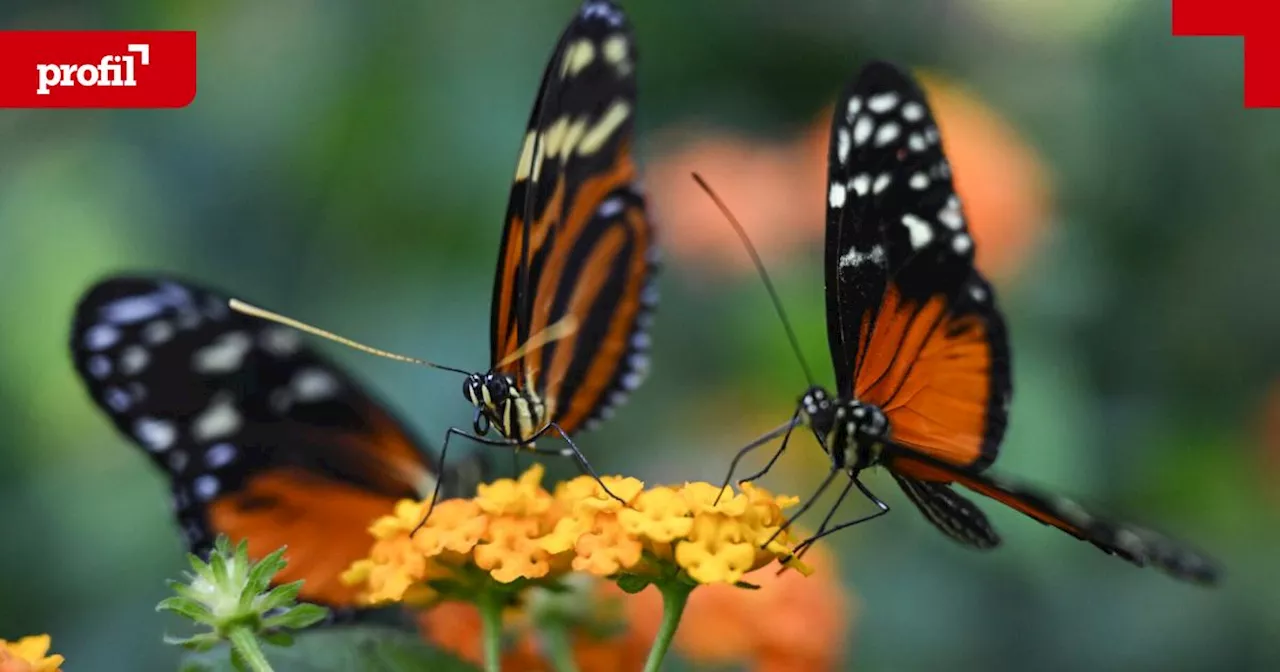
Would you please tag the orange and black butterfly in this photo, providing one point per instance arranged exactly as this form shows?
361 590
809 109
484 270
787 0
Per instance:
262 438
918 344
573 294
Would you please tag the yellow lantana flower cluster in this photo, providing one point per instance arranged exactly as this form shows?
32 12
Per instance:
515 530
29 654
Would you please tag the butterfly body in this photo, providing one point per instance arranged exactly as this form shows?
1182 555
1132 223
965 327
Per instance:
852 433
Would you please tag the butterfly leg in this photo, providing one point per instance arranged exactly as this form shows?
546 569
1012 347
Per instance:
444 453
826 482
881 507
572 451
771 435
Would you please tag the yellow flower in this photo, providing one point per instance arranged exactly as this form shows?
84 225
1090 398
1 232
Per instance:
514 530
29 654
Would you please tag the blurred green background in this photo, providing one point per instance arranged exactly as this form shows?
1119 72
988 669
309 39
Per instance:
348 163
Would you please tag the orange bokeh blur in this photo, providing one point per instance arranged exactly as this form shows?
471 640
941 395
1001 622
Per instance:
777 189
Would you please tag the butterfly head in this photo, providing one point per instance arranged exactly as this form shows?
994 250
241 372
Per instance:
487 391
516 414
852 432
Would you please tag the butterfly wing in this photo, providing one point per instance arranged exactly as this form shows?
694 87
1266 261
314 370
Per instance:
578 219
262 439
1136 544
913 327
950 512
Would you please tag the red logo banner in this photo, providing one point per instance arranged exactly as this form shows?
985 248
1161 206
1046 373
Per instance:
1257 21
92 68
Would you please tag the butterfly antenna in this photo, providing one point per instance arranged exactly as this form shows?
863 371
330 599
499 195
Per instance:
764 275
262 313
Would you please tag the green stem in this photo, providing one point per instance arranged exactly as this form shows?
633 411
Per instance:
491 616
245 643
675 593
555 639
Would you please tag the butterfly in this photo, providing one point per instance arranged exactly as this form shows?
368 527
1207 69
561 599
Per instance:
573 295
261 437
919 347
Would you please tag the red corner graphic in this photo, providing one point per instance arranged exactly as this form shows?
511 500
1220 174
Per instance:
1257 21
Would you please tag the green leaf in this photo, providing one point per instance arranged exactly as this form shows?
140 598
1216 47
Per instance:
280 596
260 575
201 642
186 607
297 618
633 583
342 649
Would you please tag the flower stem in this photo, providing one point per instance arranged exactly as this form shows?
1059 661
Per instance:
555 639
245 643
490 604
675 593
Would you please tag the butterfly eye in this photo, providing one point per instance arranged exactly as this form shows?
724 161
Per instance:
471 389
497 388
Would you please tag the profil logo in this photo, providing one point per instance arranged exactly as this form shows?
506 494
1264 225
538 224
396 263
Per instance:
97 68
110 71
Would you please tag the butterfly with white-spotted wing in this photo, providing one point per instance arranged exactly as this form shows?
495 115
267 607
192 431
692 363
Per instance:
918 344
261 437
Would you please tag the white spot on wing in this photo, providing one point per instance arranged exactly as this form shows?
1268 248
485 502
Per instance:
918 229
133 360
224 355
836 197
919 181
156 435
205 487
145 306
883 102
219 455
882 182
99 366
117 399
220 419
310 385
280 341
157 332
950 215
610 207
861 184
887 134
978 293
961 243
855 105
913 111
101 337
862 130
842 144
856 258
916 142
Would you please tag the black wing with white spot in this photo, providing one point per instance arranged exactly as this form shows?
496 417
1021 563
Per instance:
260 437
913 327
578 243
924 477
